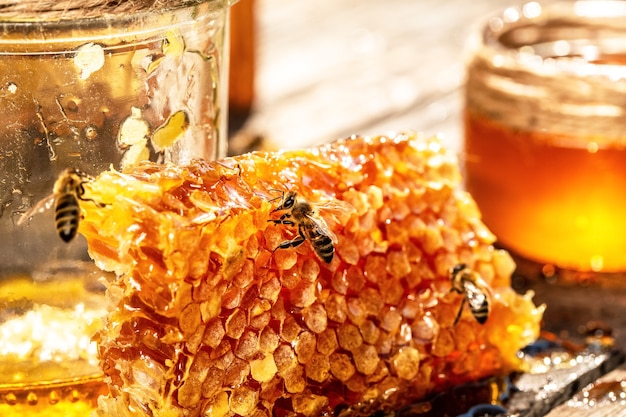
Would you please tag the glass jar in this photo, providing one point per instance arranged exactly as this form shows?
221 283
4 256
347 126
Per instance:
545 133
84 87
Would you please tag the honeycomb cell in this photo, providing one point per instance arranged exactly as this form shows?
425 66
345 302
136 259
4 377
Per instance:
285 358
268 340
305 346
247 345
236 324
236 373
309 405
355 278
213 382
294 378
370 332
263 369
190 319
349 336
219 406
190 393
444 343
366 359
398 264
348 251
310 270
243 400
327 342
375 268
213 333
357 313
270 289
336 308
318 367
390 319
405 363
290 329
341 366
304 294
315 318
372 301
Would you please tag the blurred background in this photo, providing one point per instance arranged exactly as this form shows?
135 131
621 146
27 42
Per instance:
305 72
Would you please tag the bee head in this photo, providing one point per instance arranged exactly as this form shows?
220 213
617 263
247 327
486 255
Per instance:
288 200
456 269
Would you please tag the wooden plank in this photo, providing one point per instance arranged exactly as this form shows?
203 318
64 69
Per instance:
329 69
557 374
535 394
604 397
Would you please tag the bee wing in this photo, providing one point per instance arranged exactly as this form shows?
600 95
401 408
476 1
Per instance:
338 210
41 206
321 224
476 294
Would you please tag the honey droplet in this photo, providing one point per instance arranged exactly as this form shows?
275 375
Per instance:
31 398
74 396
53 397
10 398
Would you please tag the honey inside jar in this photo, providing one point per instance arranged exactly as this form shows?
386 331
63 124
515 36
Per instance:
547 198
545 138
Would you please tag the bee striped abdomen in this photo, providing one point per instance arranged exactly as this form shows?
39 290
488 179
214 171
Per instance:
474 290
323 245
481 313
66 216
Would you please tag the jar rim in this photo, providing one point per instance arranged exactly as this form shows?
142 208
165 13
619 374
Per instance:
43 36
560 37
76 13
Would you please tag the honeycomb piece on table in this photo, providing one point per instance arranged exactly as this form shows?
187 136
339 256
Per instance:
230 301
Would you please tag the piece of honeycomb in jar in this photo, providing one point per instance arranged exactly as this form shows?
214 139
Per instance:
306 282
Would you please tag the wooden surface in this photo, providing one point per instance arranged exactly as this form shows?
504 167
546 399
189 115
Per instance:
604 397
330 68
326 69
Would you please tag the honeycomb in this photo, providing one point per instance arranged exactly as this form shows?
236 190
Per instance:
210 317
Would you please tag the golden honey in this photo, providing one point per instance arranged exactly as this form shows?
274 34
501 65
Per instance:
549 198
49 361
545 142
72 398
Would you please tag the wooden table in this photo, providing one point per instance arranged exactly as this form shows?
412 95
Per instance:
331 68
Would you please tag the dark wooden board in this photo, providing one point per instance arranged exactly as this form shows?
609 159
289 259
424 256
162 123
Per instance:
531 394
535 395
604 397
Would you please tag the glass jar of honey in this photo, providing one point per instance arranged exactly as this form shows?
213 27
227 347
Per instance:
545 132
85 86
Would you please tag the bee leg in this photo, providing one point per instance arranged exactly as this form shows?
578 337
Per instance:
291 243
458 315
81 198
282 221
280 197
97 203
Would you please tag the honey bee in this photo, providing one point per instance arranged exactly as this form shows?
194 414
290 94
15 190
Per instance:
475 291
312 227
68 191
